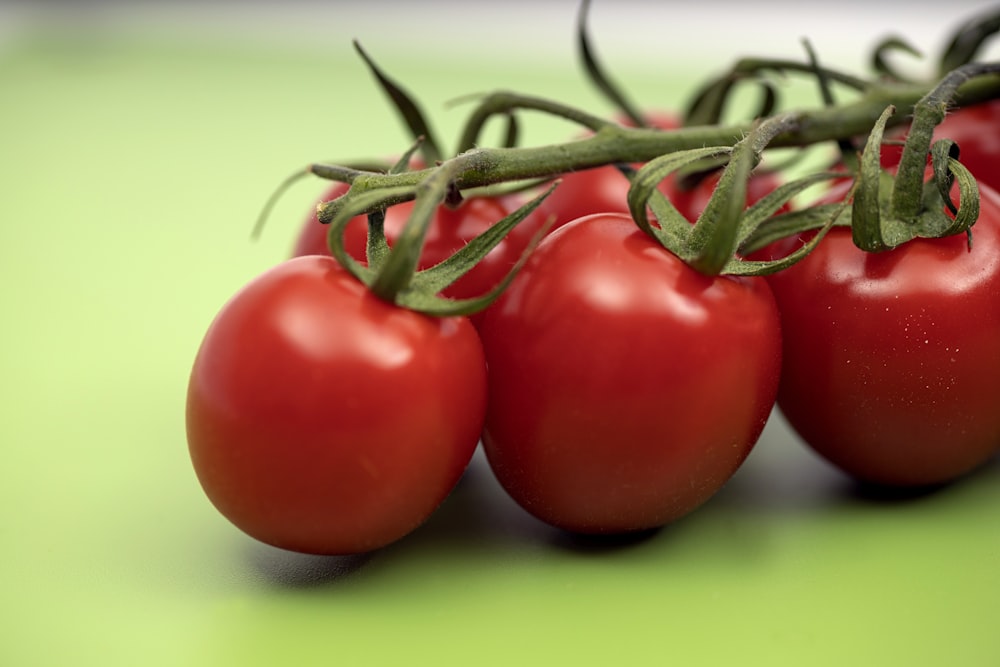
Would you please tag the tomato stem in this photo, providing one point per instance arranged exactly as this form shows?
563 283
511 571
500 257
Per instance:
611 143
710 244
907 199
401 263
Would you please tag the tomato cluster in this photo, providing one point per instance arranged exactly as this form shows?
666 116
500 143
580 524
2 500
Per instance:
613 387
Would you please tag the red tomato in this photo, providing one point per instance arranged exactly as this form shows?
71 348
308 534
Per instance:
976 130
450 231
321 419
625 388
892 359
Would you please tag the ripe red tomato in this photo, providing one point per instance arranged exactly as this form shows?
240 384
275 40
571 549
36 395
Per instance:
976 130
451 230
321 419
625 388
892 359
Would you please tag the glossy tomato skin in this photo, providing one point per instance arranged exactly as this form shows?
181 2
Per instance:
323 420
625 388
891 360
451 230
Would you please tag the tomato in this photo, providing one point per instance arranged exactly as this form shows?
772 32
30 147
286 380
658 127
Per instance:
625 388
451 229
976 130
892 361
321 419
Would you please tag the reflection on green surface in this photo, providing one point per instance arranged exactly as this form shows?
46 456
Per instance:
132 173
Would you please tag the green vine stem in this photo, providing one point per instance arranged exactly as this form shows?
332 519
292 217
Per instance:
907 200
611 143
711 244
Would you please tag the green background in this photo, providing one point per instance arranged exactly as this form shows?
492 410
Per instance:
132 166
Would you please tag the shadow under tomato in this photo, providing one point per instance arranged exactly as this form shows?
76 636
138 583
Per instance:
877 494
477 514
588 544
881 494
297 570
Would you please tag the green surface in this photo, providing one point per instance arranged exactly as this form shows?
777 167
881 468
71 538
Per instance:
132 170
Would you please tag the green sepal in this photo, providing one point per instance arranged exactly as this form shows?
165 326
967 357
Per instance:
716 234
877 226
435 278
966 214
394 277
761 224
727 219
422 300
942 151
407 108
830 215
727 225
672 228
932 222
714 238
866 218
793 223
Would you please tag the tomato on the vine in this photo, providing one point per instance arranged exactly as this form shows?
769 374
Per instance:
625 388
892 361
322 419
451 229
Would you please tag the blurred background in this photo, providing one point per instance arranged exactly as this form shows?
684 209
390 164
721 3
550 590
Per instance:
139 142
634 31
